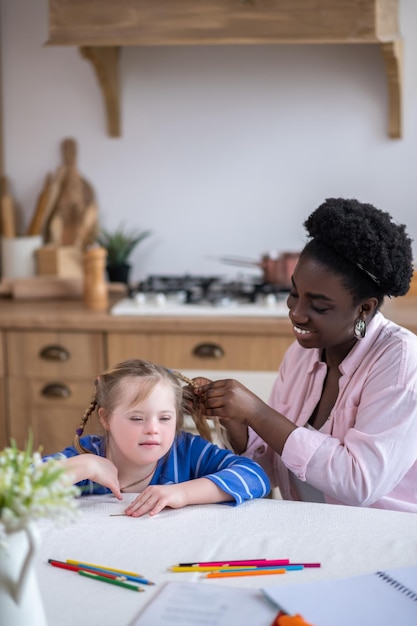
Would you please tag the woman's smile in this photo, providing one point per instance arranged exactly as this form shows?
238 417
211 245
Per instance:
301 331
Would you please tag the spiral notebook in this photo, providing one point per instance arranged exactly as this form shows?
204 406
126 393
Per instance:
380 599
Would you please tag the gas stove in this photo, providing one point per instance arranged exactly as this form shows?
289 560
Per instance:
203 295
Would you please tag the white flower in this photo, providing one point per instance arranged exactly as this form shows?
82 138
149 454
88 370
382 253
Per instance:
31 489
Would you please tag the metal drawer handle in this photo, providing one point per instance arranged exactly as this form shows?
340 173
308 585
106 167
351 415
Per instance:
54 353
208 351
56 390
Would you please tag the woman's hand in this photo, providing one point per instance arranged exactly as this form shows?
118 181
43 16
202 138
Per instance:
200 381
234 404
95 468
191 401
229 399
237 407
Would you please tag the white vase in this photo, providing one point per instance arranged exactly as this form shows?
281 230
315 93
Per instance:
20 599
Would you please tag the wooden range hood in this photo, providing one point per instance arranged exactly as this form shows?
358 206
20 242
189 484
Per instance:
100 28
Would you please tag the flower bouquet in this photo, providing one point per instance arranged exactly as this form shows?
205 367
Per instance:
31 489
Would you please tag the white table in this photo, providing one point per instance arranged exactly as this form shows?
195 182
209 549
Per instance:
345 540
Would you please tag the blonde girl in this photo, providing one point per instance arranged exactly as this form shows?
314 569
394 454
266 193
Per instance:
140 406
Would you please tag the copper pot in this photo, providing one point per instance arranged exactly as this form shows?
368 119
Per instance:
277 269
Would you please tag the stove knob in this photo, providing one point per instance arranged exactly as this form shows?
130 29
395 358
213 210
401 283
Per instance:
140 298
270 300
181 297
160 300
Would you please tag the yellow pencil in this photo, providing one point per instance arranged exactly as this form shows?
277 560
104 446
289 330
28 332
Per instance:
208 568
111 569
254 572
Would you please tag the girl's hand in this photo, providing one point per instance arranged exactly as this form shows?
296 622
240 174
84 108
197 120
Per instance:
155 498
95 468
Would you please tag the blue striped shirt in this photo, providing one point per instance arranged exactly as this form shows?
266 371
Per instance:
190 457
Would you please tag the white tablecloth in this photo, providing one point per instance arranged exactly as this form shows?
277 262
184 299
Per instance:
345 540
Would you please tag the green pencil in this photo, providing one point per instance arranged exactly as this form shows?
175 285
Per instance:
112 581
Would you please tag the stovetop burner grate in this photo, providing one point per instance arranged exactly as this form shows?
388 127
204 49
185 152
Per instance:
188 295
200 289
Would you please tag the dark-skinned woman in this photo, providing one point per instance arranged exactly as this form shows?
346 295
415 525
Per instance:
341 422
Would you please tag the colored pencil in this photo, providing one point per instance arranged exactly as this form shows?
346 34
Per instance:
111 581
233 568
267 562
288 568
247 563
239 562
248 572
77 568
135 579
209 568
109 569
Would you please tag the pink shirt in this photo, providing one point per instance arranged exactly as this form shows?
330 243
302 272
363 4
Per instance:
366 452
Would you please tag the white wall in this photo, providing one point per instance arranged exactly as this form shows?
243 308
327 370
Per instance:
224 150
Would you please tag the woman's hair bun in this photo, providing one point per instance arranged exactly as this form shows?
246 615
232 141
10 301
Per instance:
366 237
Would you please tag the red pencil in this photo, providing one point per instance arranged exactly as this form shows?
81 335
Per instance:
77 568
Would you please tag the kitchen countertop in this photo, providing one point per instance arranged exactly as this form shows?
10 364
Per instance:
73 315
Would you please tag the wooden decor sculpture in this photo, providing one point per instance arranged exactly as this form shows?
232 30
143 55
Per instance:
72 212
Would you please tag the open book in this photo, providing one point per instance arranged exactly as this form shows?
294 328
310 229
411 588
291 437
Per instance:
385 598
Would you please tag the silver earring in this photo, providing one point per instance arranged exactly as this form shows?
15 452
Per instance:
359 328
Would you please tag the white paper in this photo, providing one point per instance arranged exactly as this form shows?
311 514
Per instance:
198 604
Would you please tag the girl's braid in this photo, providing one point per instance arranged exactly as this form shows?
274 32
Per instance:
79 447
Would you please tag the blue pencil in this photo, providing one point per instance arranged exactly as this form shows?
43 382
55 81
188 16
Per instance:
135 579
259 568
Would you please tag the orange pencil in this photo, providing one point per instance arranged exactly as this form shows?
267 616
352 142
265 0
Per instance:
249 572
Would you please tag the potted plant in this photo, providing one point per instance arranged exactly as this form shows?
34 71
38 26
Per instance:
119 245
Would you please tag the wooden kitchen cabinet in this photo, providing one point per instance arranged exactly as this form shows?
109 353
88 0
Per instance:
50 384
101 28
51 352
201 351
52 421
173 22
54 355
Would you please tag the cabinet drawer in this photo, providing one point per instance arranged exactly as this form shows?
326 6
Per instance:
51 419
55 354
197 351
